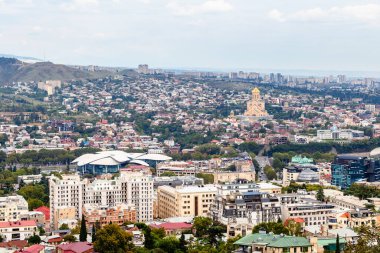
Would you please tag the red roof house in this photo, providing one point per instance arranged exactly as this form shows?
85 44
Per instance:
33 249
76 247
45 210
173 228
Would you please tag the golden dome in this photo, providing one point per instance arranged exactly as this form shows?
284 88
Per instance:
255 90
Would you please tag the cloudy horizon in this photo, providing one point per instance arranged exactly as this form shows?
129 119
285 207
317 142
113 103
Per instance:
211 34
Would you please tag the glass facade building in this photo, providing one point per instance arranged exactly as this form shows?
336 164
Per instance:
349 169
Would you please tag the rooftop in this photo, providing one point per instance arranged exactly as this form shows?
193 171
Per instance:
271 240
12 224
190 188
76 247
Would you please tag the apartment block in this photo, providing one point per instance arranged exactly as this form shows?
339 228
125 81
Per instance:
130 188
311 211
12 208
187 201
118 214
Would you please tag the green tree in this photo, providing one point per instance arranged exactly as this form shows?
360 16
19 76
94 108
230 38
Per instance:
337 245
168 244
209 231
368 241
149 240
209 149
64 226
182 243
83 230
270 172
112 239
93 233
3 156
294 227
34 239
41 230
34 203
250 147
207 178
320 194
168 174
201 226
229 246
69 238
275 227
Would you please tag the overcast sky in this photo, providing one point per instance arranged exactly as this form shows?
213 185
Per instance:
218 34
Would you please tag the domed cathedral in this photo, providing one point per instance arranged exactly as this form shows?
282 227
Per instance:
256 106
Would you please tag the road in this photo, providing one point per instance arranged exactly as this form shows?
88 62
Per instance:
262 161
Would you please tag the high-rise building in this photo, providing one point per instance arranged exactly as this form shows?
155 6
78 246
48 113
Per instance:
64 194
131 188
349 169
143 69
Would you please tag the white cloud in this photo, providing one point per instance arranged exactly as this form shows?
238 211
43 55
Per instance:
80 5
37 28
15 6
210 6
277 15
366 13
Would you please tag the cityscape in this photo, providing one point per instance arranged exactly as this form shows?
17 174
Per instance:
168 159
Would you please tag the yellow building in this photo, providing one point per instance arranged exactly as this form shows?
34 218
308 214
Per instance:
65 215
256 106
186 201
230 176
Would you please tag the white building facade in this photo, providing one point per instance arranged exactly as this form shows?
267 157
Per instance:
131 188
12 207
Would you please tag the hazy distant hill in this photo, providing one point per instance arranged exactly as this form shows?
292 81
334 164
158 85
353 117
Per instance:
21 58
12 70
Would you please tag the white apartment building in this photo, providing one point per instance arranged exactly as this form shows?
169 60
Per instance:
12 207
65 193
339 134
131 188
311 211
17 230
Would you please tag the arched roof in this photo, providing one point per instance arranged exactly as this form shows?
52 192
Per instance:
116 157
375 153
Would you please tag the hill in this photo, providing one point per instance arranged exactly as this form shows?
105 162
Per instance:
13 70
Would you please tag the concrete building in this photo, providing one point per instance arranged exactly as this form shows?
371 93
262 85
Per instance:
187 201
311 211
177 181
241 206
228 177
131 188
105 162
65 193
118 214
65 215
179 168
17 230
339 134
12 208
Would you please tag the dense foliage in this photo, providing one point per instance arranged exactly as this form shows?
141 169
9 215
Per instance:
363 191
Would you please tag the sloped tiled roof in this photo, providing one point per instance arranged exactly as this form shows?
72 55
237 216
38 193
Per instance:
274 241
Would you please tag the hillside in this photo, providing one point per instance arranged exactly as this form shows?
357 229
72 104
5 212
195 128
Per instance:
13 70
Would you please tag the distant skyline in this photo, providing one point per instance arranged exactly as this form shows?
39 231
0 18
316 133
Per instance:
315 35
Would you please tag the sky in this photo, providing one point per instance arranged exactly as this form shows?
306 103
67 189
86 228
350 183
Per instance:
341 35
